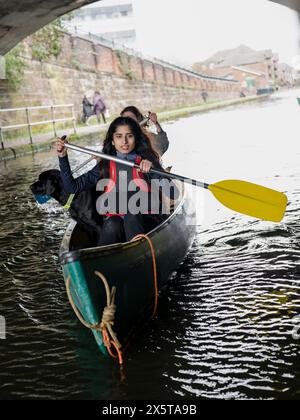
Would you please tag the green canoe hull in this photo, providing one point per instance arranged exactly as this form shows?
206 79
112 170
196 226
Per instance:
127 266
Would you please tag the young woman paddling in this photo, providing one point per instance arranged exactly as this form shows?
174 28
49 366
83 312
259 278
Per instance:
159 141
126 140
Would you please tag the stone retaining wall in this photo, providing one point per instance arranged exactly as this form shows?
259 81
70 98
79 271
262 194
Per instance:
85 66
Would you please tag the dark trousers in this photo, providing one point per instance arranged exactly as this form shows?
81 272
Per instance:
85 116
117 229
98 113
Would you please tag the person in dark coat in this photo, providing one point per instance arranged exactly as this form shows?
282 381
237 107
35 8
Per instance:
204 95
87 109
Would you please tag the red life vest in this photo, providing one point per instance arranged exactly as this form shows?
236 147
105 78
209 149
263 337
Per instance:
132 175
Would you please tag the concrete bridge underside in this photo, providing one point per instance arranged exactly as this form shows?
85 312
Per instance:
21 18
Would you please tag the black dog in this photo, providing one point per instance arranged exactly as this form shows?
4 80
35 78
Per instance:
83 206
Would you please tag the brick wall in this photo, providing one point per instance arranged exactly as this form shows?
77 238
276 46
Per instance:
84 67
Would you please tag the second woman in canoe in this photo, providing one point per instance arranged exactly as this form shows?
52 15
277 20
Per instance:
159 141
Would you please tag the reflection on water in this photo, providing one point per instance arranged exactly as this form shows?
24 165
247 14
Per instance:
225 324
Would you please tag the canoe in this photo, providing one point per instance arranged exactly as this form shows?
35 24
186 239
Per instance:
128 267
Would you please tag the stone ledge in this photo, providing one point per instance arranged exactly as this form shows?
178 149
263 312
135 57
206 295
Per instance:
14 152
28 149
18 151
185 112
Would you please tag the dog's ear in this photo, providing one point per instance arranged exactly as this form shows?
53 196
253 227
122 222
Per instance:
50 186
38 188
53 182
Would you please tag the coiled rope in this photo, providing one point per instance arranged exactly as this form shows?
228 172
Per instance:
108 316
105 326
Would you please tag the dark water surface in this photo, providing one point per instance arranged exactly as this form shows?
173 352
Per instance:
225 325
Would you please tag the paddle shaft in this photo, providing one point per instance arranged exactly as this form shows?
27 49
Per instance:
86 162
133 165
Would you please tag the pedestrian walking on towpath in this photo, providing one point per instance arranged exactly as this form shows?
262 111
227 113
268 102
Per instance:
87 109
99 107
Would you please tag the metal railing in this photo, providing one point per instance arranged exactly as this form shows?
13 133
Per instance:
29 123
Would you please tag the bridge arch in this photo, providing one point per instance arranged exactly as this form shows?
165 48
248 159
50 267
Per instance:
21 18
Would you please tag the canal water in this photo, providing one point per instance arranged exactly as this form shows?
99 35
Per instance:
228 325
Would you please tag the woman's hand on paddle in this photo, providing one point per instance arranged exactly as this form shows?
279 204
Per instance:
60 148
145 166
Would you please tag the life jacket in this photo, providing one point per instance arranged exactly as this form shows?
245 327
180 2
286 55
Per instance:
128 174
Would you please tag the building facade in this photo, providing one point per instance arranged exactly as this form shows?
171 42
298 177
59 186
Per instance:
286 75
110 19
254 69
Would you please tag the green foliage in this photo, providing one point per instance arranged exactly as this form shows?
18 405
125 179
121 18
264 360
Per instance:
63 20
76 64
15 67
46 42
124 63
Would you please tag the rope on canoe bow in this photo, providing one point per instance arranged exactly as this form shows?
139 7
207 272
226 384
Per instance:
108 316
105 326
154 270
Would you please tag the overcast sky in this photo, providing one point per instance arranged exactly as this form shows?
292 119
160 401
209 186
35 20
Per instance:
191 30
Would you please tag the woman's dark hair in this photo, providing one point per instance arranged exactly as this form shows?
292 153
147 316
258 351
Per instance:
134 110
143 146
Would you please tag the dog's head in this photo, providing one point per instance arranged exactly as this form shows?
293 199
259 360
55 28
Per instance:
49 184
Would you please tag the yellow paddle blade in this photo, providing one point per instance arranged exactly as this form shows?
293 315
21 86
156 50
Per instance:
251 199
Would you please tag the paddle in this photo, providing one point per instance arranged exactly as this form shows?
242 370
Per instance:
86 162
240 196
